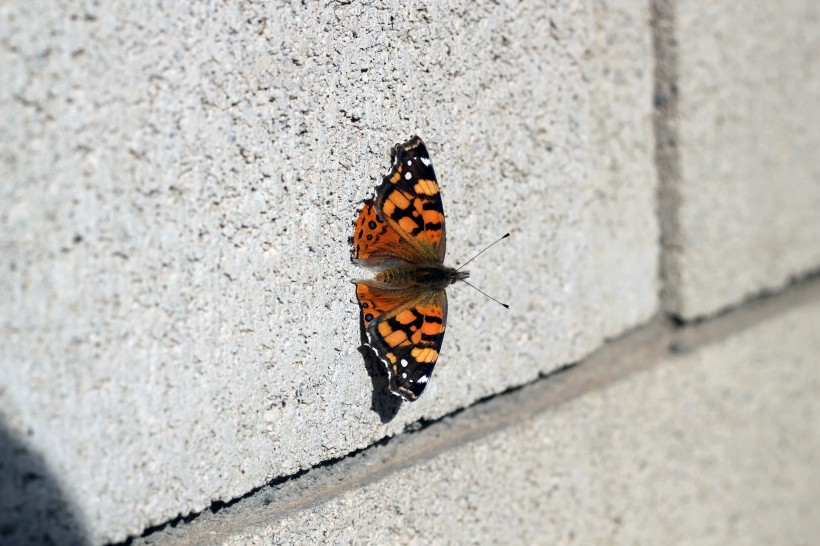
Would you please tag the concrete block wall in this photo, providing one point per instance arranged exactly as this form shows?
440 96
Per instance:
716 446
741 179
178 183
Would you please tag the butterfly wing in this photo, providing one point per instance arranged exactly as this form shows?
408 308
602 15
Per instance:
404 222
405 329
375 242
408 200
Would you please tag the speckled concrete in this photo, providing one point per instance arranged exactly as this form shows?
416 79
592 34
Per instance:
177 185
743 190
716 445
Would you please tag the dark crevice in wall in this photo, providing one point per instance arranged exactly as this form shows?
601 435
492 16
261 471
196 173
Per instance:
795 285
219 505
667 160
759 297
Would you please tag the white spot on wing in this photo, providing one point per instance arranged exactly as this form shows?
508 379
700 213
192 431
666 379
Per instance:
404 375
408 176
409 161
426 161
423 379
403 363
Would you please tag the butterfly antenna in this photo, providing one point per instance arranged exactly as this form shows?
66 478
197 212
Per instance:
488 247
504 305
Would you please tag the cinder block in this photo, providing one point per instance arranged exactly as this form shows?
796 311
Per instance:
623 210
718 446
178 184
743 202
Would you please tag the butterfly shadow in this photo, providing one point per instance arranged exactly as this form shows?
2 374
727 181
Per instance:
384 403
35 507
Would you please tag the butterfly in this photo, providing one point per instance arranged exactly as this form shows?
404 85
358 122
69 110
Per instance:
404 307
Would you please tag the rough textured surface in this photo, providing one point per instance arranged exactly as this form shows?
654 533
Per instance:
747 193
718 446
177 185
623 209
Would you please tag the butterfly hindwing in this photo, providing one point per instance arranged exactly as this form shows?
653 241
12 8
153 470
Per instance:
408 199
405 329
376 299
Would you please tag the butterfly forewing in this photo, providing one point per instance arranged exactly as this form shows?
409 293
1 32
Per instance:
409 200
375 242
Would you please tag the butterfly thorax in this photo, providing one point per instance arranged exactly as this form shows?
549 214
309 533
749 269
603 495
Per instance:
434 276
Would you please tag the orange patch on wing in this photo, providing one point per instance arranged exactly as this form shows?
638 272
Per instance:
372 242
424 355
407 224
406 317
431 328
432 217
398 199
375 302
397 175
396 338
430 310
389 208
426 187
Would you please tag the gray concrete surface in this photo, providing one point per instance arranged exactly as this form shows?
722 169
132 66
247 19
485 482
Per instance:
177 185
715 445
623 208
746 191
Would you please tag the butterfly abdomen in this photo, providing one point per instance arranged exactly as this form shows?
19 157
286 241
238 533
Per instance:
426 276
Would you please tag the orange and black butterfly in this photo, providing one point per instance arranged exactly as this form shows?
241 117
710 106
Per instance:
404 307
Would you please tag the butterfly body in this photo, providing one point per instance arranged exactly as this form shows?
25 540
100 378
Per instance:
423 276
404 307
